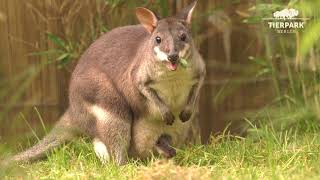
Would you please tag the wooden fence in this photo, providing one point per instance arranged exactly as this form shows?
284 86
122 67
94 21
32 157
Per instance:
229 93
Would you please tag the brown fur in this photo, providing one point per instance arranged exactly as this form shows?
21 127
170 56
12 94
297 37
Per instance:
119 90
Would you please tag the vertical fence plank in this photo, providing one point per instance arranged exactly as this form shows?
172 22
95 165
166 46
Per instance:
5 66
5 56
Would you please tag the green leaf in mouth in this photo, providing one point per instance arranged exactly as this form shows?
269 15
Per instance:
183 62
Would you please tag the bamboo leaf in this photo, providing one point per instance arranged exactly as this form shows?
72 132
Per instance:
310 37
263 72
56 40
63 57
184 63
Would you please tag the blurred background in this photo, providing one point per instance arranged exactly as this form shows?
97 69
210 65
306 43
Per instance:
254 74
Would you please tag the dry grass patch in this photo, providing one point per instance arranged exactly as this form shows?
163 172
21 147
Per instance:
164 169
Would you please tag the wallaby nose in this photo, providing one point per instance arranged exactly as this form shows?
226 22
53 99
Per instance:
173 58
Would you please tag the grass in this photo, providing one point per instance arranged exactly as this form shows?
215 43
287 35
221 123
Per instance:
263 154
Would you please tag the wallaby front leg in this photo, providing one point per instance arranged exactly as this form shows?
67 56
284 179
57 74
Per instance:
153 96
186 113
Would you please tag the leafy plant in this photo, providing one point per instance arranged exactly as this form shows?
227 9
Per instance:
65 51
295 77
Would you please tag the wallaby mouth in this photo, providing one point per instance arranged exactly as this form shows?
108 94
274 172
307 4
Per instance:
171 61
172 66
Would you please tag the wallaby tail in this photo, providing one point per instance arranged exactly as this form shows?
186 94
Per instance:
62 132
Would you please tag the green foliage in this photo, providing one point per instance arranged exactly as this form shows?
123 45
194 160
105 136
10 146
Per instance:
65 51
290 60
183 62
310 37
309 8
265 68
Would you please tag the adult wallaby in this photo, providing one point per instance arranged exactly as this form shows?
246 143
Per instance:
128 88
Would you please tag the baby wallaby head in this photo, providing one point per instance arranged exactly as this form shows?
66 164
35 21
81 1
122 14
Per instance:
170 37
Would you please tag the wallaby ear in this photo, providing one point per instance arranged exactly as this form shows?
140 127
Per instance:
147 18
186 13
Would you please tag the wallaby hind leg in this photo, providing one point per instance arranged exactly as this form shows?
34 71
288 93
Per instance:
113 135
116 137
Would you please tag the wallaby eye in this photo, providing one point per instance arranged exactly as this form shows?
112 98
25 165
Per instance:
183 37
158 39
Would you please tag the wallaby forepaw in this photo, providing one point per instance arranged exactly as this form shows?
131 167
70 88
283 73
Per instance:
168 118
185 115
